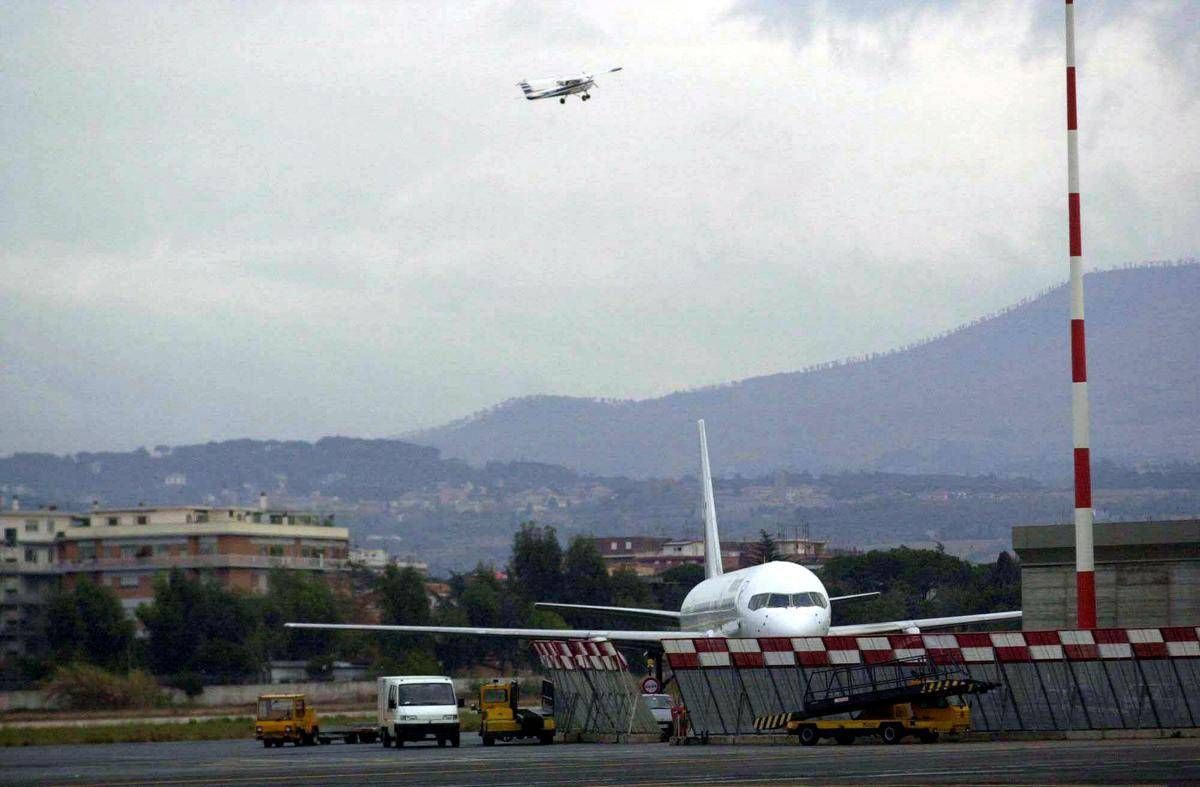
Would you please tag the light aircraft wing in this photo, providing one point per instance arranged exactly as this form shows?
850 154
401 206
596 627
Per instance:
625 612
920 624
592 634
853 595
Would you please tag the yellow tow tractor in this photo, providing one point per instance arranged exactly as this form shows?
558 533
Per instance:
285 718
500 717
289 718
891 700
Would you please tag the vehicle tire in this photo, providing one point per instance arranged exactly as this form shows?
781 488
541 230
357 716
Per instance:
368 737
387 738
399 743
546 738
441 742
350 738
489 740
844 738
808 735
266 743
562 101
928 736
454 740
891 734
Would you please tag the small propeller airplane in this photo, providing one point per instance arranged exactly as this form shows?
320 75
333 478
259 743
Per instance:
560 88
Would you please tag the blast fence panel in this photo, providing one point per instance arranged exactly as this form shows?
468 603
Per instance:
1057 680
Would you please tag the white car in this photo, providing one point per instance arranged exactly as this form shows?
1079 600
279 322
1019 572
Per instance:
660 707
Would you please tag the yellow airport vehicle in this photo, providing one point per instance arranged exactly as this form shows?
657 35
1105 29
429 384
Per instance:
286 718
500 717
927 720
289 718
891 700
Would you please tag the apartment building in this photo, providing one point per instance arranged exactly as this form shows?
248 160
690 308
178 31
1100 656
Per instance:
649 555
28 573
127 548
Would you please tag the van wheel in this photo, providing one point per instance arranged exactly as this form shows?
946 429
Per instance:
266 743
399 743
454 740
489 740
808 735
441 742
387 739
891 734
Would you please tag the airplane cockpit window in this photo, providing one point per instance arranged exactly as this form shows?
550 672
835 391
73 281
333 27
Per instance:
783 600
809 600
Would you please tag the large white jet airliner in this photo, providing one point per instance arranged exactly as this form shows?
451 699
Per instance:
776 599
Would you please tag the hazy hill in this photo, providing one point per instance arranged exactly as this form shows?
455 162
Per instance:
990 396
237 470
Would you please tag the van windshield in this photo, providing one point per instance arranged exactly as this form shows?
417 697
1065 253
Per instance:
426 694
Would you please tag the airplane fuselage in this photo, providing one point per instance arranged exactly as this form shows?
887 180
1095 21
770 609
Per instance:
775 599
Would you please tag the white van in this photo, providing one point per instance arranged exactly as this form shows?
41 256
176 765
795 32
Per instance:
416 707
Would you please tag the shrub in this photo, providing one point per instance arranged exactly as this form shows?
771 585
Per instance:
87 687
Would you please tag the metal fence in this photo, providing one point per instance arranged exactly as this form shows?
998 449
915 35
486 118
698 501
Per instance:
594 691
1048 680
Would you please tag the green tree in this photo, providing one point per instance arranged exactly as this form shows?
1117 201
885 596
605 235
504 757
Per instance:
196 627
536 567
677 582
765 550
404 602
628 589
402 597
587 580
87 623
298 596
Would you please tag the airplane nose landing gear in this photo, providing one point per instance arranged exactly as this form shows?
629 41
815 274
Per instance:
562 101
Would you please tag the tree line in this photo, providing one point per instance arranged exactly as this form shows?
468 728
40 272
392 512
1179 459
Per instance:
194 631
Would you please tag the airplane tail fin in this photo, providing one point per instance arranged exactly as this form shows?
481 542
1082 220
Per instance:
525 87
712 542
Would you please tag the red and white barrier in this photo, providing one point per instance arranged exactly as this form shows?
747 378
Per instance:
967 648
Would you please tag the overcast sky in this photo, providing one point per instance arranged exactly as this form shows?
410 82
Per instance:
289 220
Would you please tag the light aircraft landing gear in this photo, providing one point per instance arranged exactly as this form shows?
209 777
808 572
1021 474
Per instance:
586 96
562 101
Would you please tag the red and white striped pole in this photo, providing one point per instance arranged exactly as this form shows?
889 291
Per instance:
1085 568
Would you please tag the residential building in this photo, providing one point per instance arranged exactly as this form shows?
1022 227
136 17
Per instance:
125 549
379 559
28 574
650 555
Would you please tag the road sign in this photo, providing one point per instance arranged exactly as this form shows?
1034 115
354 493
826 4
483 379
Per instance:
650 686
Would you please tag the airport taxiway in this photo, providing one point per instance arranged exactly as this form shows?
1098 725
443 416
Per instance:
246 762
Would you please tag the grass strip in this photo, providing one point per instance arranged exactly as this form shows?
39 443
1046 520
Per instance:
146 732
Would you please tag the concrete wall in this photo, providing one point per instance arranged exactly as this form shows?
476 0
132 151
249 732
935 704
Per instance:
1147 574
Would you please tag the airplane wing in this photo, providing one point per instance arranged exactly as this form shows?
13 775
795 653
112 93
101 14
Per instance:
915 626
853 595
591 634
628 612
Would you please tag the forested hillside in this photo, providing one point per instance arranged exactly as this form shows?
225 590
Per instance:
993 396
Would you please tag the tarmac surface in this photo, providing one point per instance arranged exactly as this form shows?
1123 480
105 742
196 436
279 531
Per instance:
524 765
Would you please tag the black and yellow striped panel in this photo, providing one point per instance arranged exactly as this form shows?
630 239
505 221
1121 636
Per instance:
772 721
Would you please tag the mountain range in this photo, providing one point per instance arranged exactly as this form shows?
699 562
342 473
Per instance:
990 396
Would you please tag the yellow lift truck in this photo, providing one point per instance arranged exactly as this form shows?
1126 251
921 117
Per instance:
890 700
501 718
289 718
